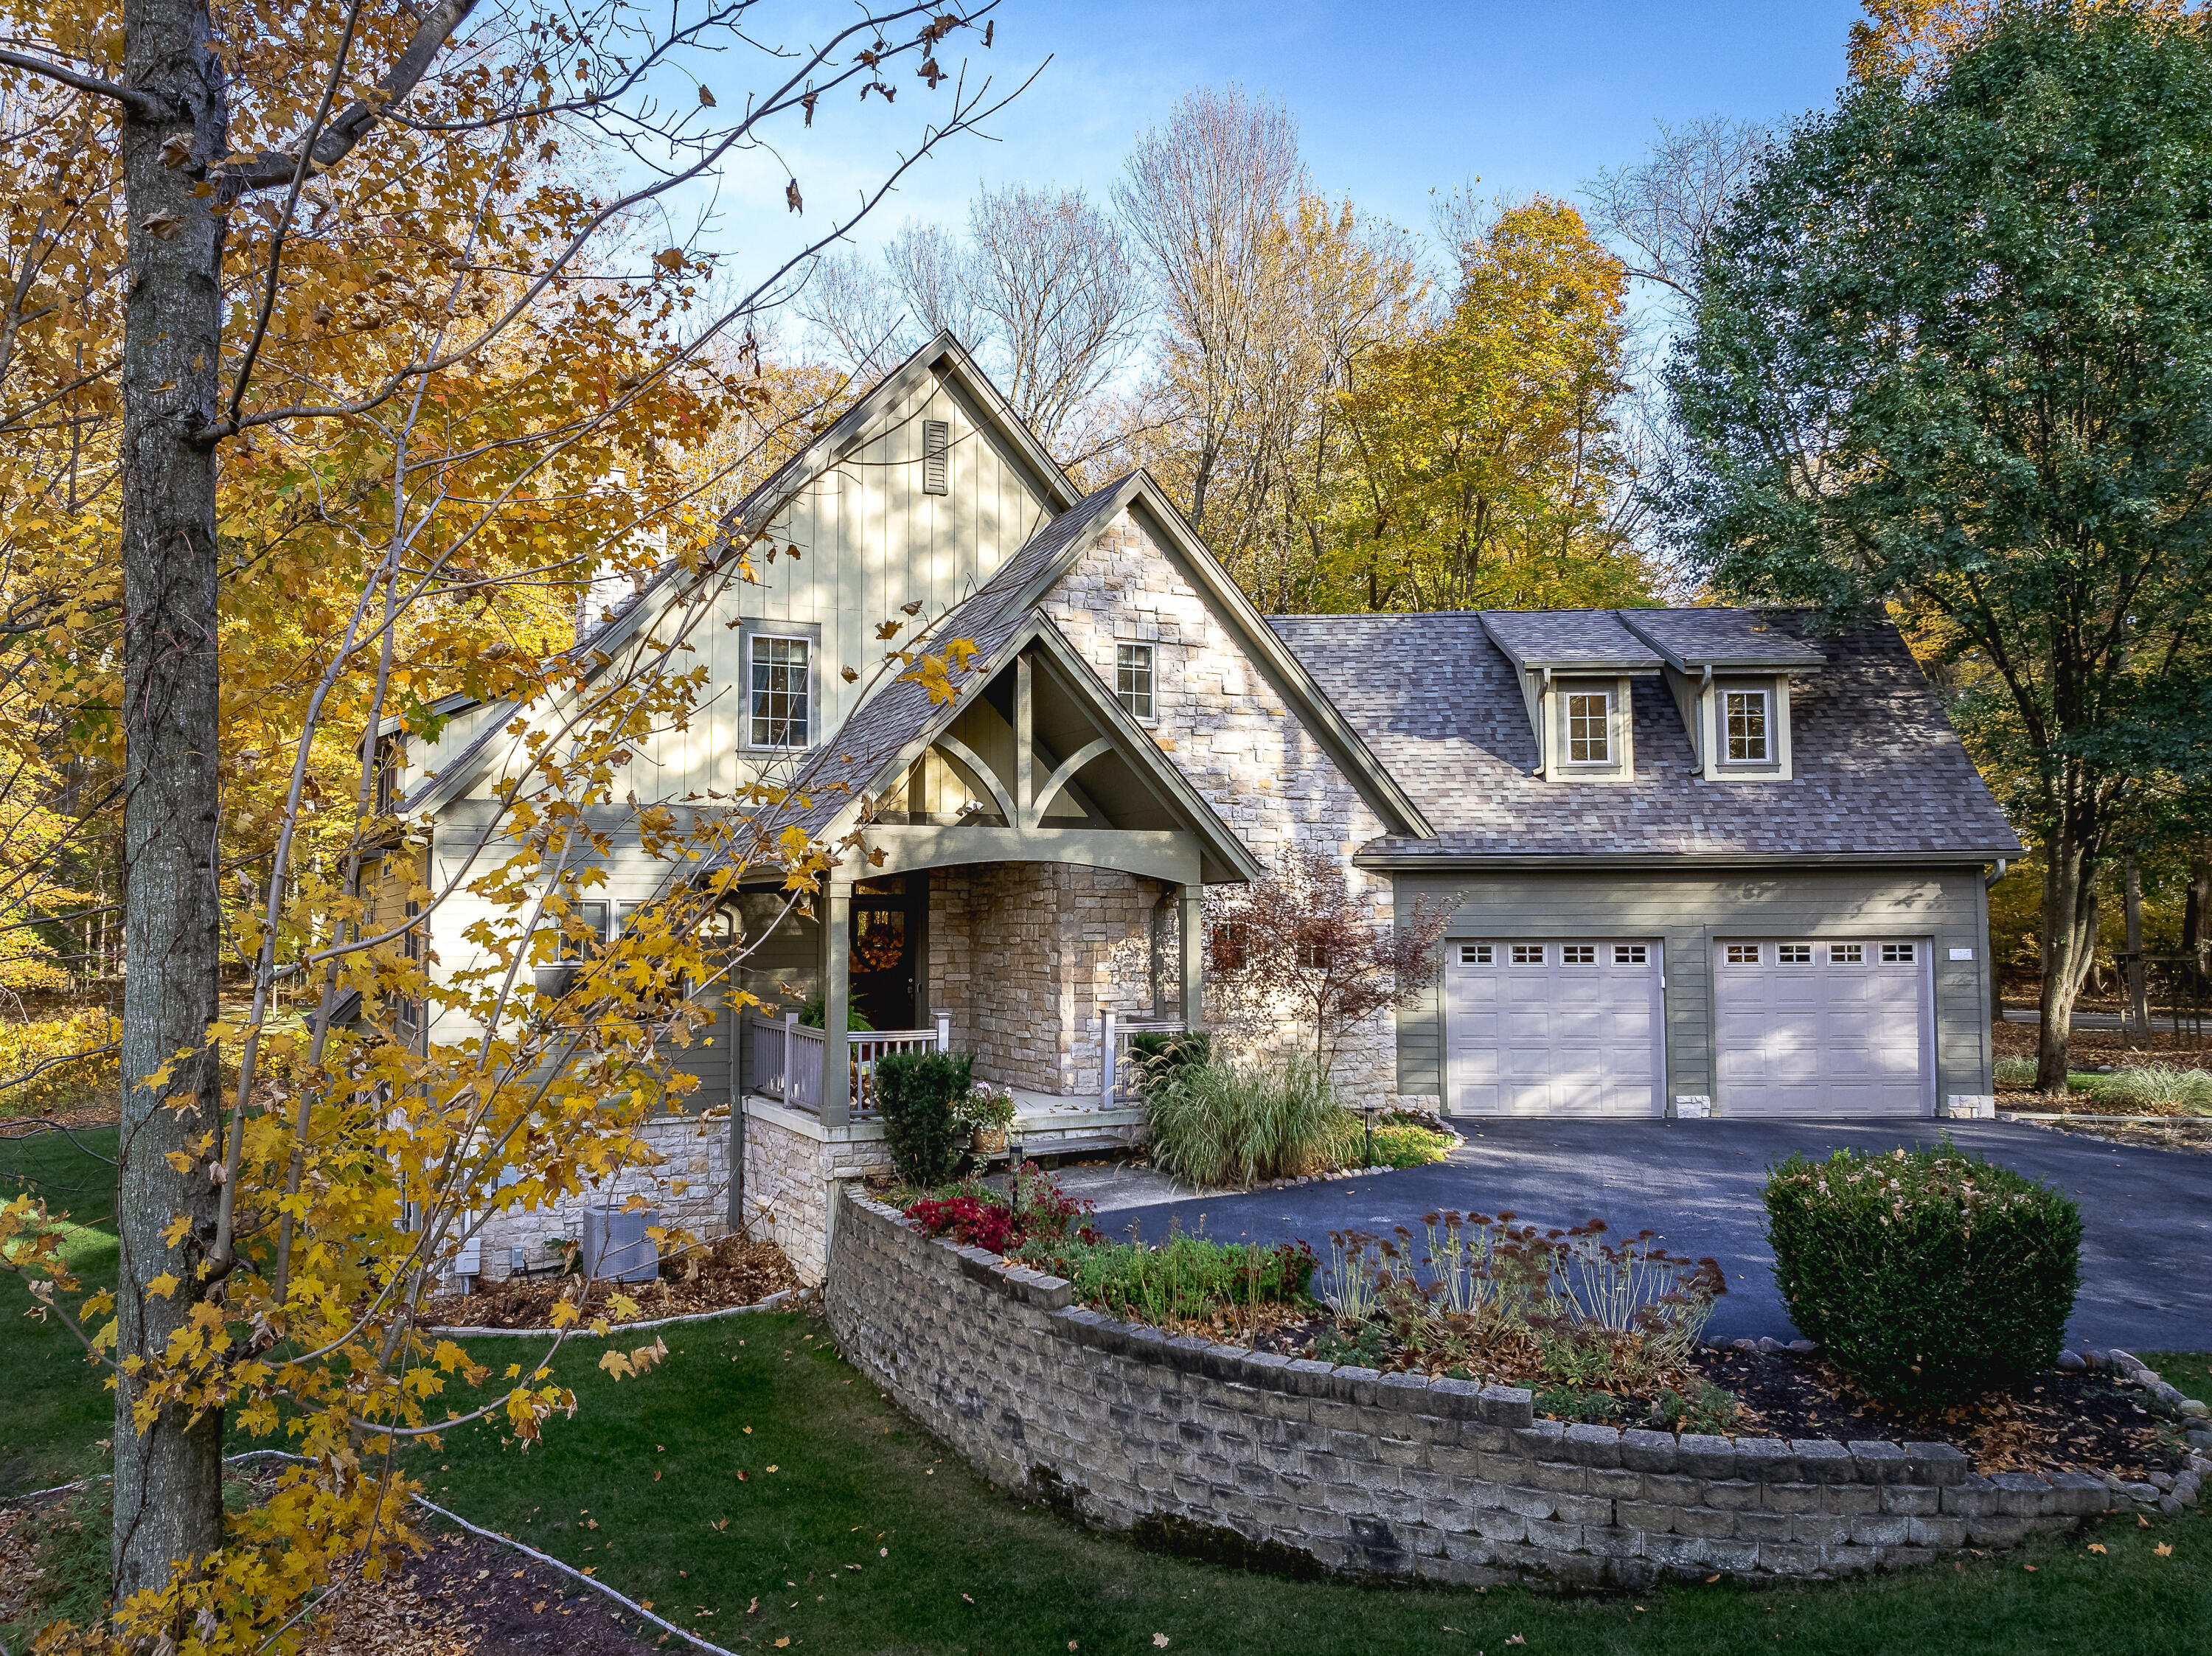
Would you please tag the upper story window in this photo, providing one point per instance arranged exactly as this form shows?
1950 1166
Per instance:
780 704
1590 728
580 944
1745 712
1133 679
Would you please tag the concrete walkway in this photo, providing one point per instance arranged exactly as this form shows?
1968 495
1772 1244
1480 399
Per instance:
2147 1215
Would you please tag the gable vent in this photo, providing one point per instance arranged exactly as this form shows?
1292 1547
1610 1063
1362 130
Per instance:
936 438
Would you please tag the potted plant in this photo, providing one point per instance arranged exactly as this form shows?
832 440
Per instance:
989 1111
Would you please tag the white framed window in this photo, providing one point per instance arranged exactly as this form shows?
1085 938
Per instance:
1632 953
1794 954
1578 953
1528 954
780 693
593 915
1475 954
1746 713
1897 953
1133 679
1590 727
1743 954
1847 954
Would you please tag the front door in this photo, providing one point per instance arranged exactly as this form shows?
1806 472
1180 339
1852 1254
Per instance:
882 952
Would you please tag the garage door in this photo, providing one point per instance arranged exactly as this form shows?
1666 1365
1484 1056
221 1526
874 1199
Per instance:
1567 1028
1822 1028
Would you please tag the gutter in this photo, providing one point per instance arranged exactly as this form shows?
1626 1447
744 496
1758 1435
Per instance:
1476 862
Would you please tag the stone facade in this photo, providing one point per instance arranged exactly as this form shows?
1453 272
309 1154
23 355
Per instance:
1390 1475
686 1182
1240 746
792 1162
1023 955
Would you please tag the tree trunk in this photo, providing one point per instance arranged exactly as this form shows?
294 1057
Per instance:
168 1487
2194 931
2069 944
2138 1016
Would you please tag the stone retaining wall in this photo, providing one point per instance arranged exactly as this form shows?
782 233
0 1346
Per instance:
1371 1473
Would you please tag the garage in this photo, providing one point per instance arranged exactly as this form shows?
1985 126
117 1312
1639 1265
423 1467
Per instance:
1556 1027
1822 1027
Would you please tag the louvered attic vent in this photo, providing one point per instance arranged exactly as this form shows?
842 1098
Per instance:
936 438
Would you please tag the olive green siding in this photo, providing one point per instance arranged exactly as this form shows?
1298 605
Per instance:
1685 912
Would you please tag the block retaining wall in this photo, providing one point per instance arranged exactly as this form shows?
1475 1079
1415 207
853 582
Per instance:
1371 1473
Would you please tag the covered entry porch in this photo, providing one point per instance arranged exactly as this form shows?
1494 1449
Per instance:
1024 885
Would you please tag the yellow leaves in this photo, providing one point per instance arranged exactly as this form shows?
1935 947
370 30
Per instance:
888 629
2164 1550
449 1356
163 1285
621 1365
670 258
2096 1546
182 1162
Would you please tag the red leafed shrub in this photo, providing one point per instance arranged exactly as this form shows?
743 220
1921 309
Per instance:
967 1220
979 1217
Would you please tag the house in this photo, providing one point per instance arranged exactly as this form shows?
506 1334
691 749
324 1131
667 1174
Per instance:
1689 856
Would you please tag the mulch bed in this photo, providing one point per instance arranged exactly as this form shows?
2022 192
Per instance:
2060 1424
2089 1047
2182 1133
466 1597
734 1270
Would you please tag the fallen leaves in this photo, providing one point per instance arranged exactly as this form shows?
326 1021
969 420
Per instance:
2164 1550
1160 1641
2096 1546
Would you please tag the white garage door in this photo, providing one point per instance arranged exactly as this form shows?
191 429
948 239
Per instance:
1568 1027
1822 1028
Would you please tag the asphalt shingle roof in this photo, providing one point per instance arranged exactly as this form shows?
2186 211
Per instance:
1720 637
1568 638
1877 769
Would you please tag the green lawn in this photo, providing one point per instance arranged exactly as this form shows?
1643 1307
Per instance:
55 1413
643 1488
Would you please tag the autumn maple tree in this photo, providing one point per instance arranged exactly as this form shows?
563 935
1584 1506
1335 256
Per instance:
344 342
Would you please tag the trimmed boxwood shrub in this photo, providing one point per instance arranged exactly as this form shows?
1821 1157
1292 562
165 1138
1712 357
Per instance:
1929 1277
919 1094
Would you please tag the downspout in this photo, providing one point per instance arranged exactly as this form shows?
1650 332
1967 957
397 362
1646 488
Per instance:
1995 874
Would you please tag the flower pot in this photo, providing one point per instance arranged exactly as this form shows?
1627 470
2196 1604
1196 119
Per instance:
988 1141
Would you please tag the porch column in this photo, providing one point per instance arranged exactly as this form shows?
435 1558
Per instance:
1191 935
837 909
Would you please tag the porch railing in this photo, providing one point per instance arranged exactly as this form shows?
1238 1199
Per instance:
1122 1073
784 1059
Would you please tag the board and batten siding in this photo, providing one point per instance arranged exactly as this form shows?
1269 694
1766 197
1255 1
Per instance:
1685 912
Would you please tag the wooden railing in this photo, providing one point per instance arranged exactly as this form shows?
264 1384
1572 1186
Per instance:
1119 1083
784 1060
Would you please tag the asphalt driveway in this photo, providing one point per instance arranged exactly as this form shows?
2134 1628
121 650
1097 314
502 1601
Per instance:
2146 1214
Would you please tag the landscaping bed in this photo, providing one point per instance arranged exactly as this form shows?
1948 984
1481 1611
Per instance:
733 1272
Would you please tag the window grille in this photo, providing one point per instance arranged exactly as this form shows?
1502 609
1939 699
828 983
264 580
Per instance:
1474 953
1528 954
1747 727
1743 954
1133 679
1632 953
1897 953
781 671
1795 954
1847 954
1589 738
1578 953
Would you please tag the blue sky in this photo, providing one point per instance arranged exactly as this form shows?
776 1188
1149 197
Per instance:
1392 101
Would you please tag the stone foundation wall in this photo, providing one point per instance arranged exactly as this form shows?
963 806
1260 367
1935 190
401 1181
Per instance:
792 1164
688 1185
1379 1474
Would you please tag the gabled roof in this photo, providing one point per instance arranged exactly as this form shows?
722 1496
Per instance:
1568 640
762 505
1879 773
1692 639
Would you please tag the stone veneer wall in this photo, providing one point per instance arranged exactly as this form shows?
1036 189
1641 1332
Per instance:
1378 1474
1240 746
688 1185
1023 955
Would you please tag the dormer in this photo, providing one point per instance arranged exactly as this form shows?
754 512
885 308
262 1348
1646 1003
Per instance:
1576 669
1729 671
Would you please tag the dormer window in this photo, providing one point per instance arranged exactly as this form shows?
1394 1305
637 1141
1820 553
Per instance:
1747 713
1590 728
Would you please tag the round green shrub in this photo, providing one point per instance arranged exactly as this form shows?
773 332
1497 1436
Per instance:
1929 1277
920 1094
